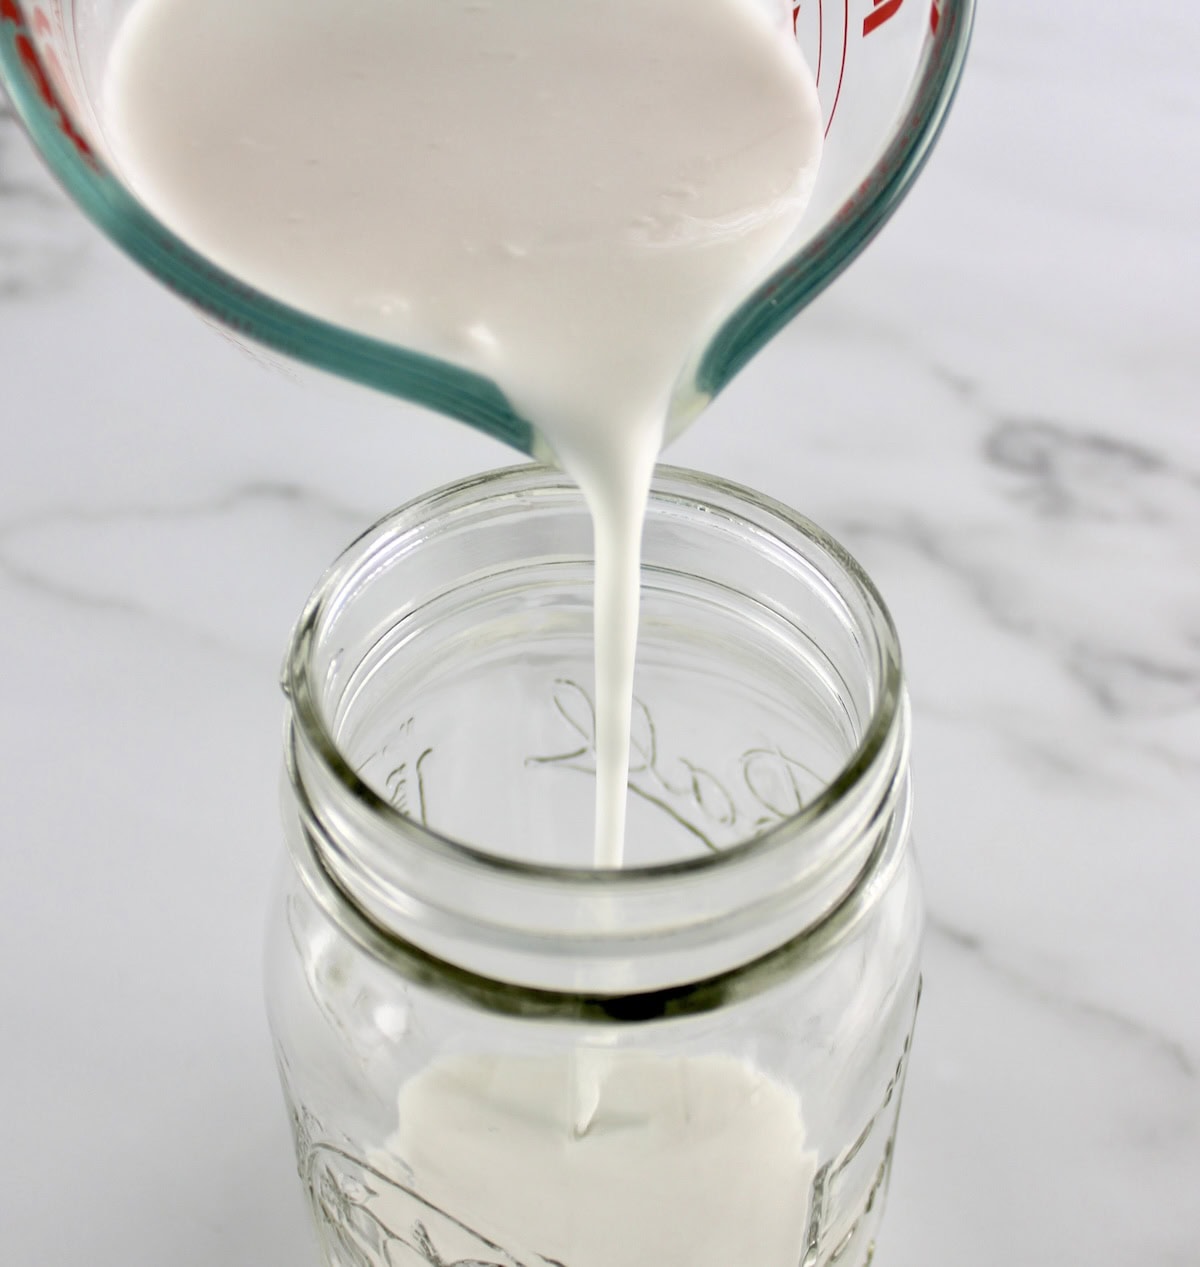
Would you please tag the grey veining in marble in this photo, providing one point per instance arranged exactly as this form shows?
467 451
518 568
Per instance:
82 558
1163 1046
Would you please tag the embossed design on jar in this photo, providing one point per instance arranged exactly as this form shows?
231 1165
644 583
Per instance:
839 1200
366 1219
718 809
399 769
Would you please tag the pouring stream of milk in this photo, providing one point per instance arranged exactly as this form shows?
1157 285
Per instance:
566 197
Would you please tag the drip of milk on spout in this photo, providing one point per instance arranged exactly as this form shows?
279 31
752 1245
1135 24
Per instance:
565 197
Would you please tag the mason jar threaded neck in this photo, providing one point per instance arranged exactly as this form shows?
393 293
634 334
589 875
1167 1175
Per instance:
561 928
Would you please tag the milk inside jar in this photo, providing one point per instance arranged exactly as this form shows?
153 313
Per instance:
565 197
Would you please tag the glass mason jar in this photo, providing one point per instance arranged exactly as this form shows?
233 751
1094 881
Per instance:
494 1053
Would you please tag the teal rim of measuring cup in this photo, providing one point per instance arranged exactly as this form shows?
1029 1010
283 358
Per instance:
773 304
426 380
238 307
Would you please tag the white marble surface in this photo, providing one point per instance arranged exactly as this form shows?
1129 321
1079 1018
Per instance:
996 409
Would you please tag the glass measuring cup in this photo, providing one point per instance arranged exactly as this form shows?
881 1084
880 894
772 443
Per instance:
886 72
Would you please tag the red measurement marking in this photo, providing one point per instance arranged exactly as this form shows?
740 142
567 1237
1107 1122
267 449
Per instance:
820 31
884 11
45 89
41 24
837 96
34 68
935 16
820 38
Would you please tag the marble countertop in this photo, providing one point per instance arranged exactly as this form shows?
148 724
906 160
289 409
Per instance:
995 409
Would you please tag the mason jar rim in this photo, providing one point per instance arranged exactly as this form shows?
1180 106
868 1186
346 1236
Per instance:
519 480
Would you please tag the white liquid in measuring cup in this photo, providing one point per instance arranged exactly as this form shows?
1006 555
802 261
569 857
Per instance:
565 197
699 1161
